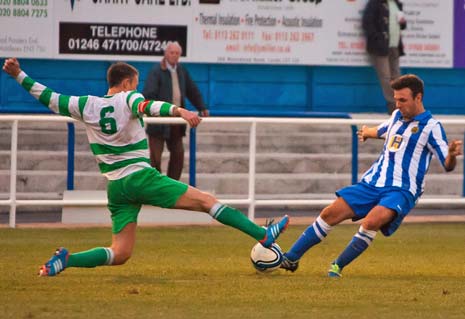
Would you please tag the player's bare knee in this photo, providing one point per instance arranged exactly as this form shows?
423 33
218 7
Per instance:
328 215
325 213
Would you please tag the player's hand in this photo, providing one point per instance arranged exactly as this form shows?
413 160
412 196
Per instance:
455 148
190 117
11 66
362 133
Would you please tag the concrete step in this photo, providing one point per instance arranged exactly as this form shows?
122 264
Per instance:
44 140
302 143
48 160
211 142
214 162
55 211
224 183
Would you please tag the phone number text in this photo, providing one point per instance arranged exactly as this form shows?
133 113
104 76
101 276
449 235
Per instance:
128 45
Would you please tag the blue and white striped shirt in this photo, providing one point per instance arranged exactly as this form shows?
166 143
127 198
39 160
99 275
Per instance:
407 152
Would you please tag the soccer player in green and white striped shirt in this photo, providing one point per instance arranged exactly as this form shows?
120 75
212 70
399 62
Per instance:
117 139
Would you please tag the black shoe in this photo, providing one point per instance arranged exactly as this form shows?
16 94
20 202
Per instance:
289 264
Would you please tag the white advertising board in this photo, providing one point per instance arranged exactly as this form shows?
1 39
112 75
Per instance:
295 32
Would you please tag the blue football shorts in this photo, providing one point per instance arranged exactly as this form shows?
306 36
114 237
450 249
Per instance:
362 197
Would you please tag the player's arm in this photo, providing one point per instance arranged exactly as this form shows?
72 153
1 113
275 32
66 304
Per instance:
379 131
160 108
367 132
190 117
63 104
455 149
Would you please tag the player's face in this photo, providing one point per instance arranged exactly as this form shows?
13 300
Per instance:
172 54
407 105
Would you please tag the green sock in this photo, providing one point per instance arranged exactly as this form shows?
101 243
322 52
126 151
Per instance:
234 218
91 258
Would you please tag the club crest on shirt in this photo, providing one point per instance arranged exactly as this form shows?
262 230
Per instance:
414 129
395 143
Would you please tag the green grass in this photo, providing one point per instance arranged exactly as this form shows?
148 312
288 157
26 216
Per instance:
205 272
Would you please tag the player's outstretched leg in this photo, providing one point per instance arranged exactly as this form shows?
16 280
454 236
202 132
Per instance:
274 230
313 235
194 199
56 264
359 243
234 218
62 259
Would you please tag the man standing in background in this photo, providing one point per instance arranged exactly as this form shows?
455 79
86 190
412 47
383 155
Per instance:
382 22
170 81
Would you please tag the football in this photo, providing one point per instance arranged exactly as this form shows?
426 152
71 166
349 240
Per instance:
266 259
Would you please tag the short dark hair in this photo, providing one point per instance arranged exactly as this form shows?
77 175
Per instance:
119 71
411 81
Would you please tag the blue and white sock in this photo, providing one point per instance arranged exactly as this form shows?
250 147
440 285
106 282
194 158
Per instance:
359 243
313 235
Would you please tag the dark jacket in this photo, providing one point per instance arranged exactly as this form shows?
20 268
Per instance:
158 87
375 24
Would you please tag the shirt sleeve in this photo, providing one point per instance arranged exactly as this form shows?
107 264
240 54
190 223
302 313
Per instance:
383 128
437 143
133 100
139 106
66 105
156 108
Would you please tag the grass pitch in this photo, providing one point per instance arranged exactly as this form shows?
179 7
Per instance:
205 272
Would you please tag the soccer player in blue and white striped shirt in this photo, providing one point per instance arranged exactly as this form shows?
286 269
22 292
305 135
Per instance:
393 184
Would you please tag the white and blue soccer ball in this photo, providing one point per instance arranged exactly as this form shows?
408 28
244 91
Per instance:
266 259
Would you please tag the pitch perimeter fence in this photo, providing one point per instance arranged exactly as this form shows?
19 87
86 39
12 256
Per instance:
331 119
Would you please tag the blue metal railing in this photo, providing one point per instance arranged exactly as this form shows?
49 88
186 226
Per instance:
193 157
71 141
354 154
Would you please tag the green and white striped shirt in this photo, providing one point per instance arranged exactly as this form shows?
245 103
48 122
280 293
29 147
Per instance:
114 124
